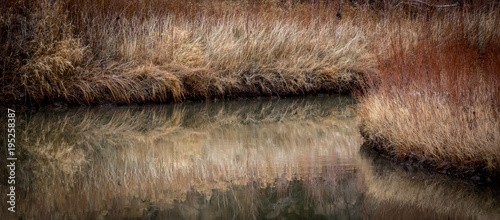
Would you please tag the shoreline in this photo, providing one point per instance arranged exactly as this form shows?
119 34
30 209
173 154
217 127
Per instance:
62 104
472 175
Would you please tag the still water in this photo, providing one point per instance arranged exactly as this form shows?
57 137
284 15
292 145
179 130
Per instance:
294 158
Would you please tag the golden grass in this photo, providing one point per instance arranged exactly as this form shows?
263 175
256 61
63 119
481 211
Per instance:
93 52
437 101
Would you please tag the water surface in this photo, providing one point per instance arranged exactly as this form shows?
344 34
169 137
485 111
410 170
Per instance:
294 158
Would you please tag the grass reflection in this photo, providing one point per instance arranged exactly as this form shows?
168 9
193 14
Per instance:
393 188
138 161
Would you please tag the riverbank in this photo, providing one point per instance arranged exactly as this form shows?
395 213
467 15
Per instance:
428 75
98 52
437 102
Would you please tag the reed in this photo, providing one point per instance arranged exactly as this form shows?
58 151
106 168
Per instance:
437 98
94 52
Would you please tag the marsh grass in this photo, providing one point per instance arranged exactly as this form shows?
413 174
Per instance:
92 52
437 98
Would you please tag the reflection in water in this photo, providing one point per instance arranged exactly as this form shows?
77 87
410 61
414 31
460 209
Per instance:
291 158
405 189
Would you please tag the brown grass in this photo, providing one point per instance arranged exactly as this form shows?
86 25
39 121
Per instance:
92 52
437 101
434 97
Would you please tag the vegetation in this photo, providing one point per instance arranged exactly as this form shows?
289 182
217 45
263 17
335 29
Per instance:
428 75
436 98
92 52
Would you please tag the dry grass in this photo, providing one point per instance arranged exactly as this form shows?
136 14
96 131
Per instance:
92 52
435 97
438 96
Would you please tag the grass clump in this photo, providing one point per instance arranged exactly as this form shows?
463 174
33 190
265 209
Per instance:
93 52
437 101
39 51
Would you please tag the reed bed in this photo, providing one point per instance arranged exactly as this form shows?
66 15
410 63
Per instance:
435 100
94 52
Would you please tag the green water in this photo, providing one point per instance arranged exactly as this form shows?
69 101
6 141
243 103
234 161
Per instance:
293 158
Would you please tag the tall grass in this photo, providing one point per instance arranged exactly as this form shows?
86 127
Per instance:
437 100
92 52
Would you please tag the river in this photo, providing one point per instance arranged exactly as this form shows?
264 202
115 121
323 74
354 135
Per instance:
291 158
